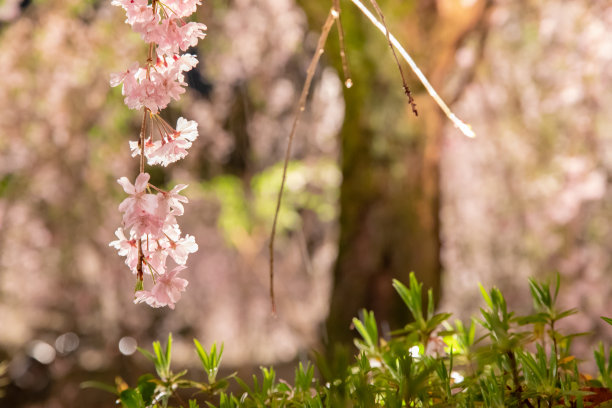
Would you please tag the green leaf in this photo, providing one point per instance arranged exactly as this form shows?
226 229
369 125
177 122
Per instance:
147 354
244 385
100 386
566 313
304 377
557 285
367 328
532 319
202 355
168 351
412 297
131 399
485 295
436 320
210 361
146 388
430 304
606 319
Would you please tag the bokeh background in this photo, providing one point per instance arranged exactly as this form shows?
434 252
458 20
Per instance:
372 191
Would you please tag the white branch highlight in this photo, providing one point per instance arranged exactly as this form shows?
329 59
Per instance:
463 127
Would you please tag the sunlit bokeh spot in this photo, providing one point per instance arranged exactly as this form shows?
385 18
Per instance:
67 343
92 360
41 351
457 377
127 345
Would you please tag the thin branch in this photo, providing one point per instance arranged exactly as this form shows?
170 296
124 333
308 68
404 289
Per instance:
348 82
298 114
463 127
399 66
141 141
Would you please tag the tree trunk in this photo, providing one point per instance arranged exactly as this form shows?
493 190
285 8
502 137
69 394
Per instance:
390 200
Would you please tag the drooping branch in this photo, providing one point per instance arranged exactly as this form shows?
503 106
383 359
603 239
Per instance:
462 126
397 62
301 106
348 81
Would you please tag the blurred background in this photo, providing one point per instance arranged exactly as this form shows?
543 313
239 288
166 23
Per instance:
373 192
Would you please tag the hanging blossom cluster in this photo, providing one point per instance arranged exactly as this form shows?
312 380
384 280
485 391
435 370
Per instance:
150 234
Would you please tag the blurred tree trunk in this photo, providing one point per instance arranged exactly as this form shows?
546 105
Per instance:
390 199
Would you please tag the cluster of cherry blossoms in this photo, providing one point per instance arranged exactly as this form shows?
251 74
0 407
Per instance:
150 233
160 24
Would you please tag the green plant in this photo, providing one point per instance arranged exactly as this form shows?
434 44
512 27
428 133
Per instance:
513 361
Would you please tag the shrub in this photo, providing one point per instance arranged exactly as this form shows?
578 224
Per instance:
514 361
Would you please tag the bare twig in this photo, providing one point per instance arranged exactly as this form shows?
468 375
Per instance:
348 81
298 114
399 66
463 127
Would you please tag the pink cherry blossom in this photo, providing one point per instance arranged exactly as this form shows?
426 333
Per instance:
180 250
156 257
140 16
172 35
149 213
154 88
172 231
166 291
138 188
187 128
127 248
135 147
185 62
175 145
174 199
169 152
142 212
147 25
129 75
181 8
135 10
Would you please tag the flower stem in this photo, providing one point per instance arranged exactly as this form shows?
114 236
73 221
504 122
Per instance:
143 131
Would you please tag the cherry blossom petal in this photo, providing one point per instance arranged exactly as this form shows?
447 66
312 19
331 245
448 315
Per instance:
166 291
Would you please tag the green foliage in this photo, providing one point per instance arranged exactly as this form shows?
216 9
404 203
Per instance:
604 367
210 361
248 207
515 361
423 325
367 329
161 358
